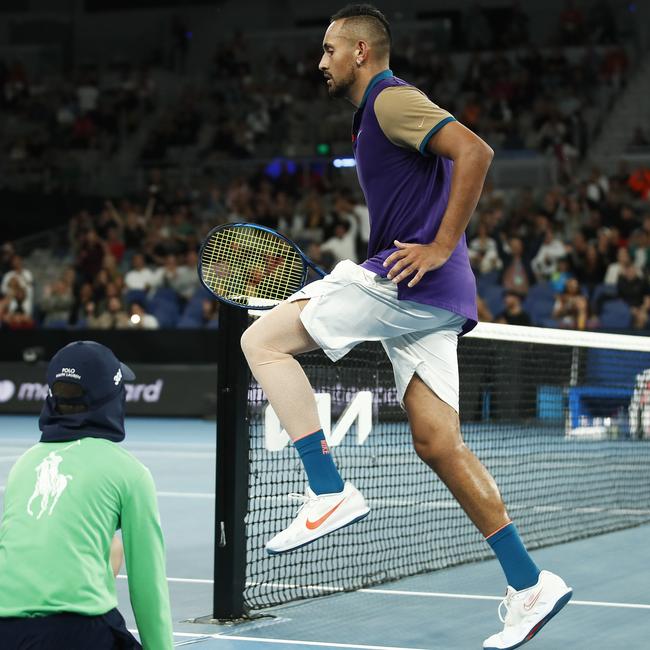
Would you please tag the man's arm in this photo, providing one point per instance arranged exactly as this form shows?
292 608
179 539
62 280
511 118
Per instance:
145 562
472 158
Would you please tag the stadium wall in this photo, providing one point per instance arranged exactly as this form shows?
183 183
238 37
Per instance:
176 371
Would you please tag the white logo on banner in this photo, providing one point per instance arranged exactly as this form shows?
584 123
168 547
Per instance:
34 391
50 485
7 390
359 409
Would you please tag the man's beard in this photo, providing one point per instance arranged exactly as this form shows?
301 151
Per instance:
341 88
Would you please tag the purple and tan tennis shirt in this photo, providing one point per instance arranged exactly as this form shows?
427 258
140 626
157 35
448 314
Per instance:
407 189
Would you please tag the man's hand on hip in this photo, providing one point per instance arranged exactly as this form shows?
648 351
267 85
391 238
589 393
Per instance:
414 259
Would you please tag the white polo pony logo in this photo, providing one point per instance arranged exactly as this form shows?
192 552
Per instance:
50 485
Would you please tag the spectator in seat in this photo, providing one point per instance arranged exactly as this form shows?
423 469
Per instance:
7 253
592 271
140 277
615 269
514 313
558 280
544 264
57 302
343 244
483 253
182 279
484 313
321 258
209 312
640 249
19 271
517 274
114 244
113 318
17 309
572 23
80 309
90 256
139 319
633 289
133 231
571 306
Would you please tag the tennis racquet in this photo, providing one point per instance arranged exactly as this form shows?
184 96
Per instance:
251 266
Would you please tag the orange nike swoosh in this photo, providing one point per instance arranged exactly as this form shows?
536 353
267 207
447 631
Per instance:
312 525
529 604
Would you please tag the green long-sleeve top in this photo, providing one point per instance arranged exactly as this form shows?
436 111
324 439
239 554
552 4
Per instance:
63 503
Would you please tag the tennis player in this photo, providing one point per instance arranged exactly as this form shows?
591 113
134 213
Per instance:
64 500
422 173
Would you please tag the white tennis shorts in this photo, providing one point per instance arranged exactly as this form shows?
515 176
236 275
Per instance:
352 305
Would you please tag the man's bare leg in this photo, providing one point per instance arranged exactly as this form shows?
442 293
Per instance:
269 346
438 442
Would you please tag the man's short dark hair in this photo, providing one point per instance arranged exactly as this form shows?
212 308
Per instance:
372 19
67 391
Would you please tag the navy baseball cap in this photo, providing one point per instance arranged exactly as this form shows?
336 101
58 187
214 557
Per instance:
93 367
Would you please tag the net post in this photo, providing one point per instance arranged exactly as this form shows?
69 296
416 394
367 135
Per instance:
231 483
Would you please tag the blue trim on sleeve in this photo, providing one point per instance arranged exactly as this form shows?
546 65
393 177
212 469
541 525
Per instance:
385 74
435 129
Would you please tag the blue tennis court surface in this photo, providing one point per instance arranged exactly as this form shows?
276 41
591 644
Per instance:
452 609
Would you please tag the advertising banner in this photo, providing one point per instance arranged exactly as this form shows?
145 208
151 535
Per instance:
159 390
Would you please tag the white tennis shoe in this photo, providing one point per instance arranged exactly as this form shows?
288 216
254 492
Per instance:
528 611
319 515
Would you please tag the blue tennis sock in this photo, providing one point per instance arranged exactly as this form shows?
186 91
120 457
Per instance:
322 474
521 572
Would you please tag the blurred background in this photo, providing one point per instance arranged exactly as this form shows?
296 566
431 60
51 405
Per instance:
128 129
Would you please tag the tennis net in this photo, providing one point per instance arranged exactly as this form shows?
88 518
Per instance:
561 419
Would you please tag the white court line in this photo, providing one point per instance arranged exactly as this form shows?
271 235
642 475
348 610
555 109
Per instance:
197 581
316 644
181 495
187 495
432 505
434 594
416 594
197 455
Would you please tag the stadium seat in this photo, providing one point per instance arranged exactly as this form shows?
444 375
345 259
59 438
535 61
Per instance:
539 303
549 322
541 291
189 322
193 309
56 325
200 293
136 295
166 294
493 296
615 315
600 294
166 313
490 279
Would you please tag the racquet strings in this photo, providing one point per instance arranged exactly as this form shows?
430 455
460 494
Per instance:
241 263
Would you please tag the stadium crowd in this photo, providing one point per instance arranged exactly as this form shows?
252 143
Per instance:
576 255
518 89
